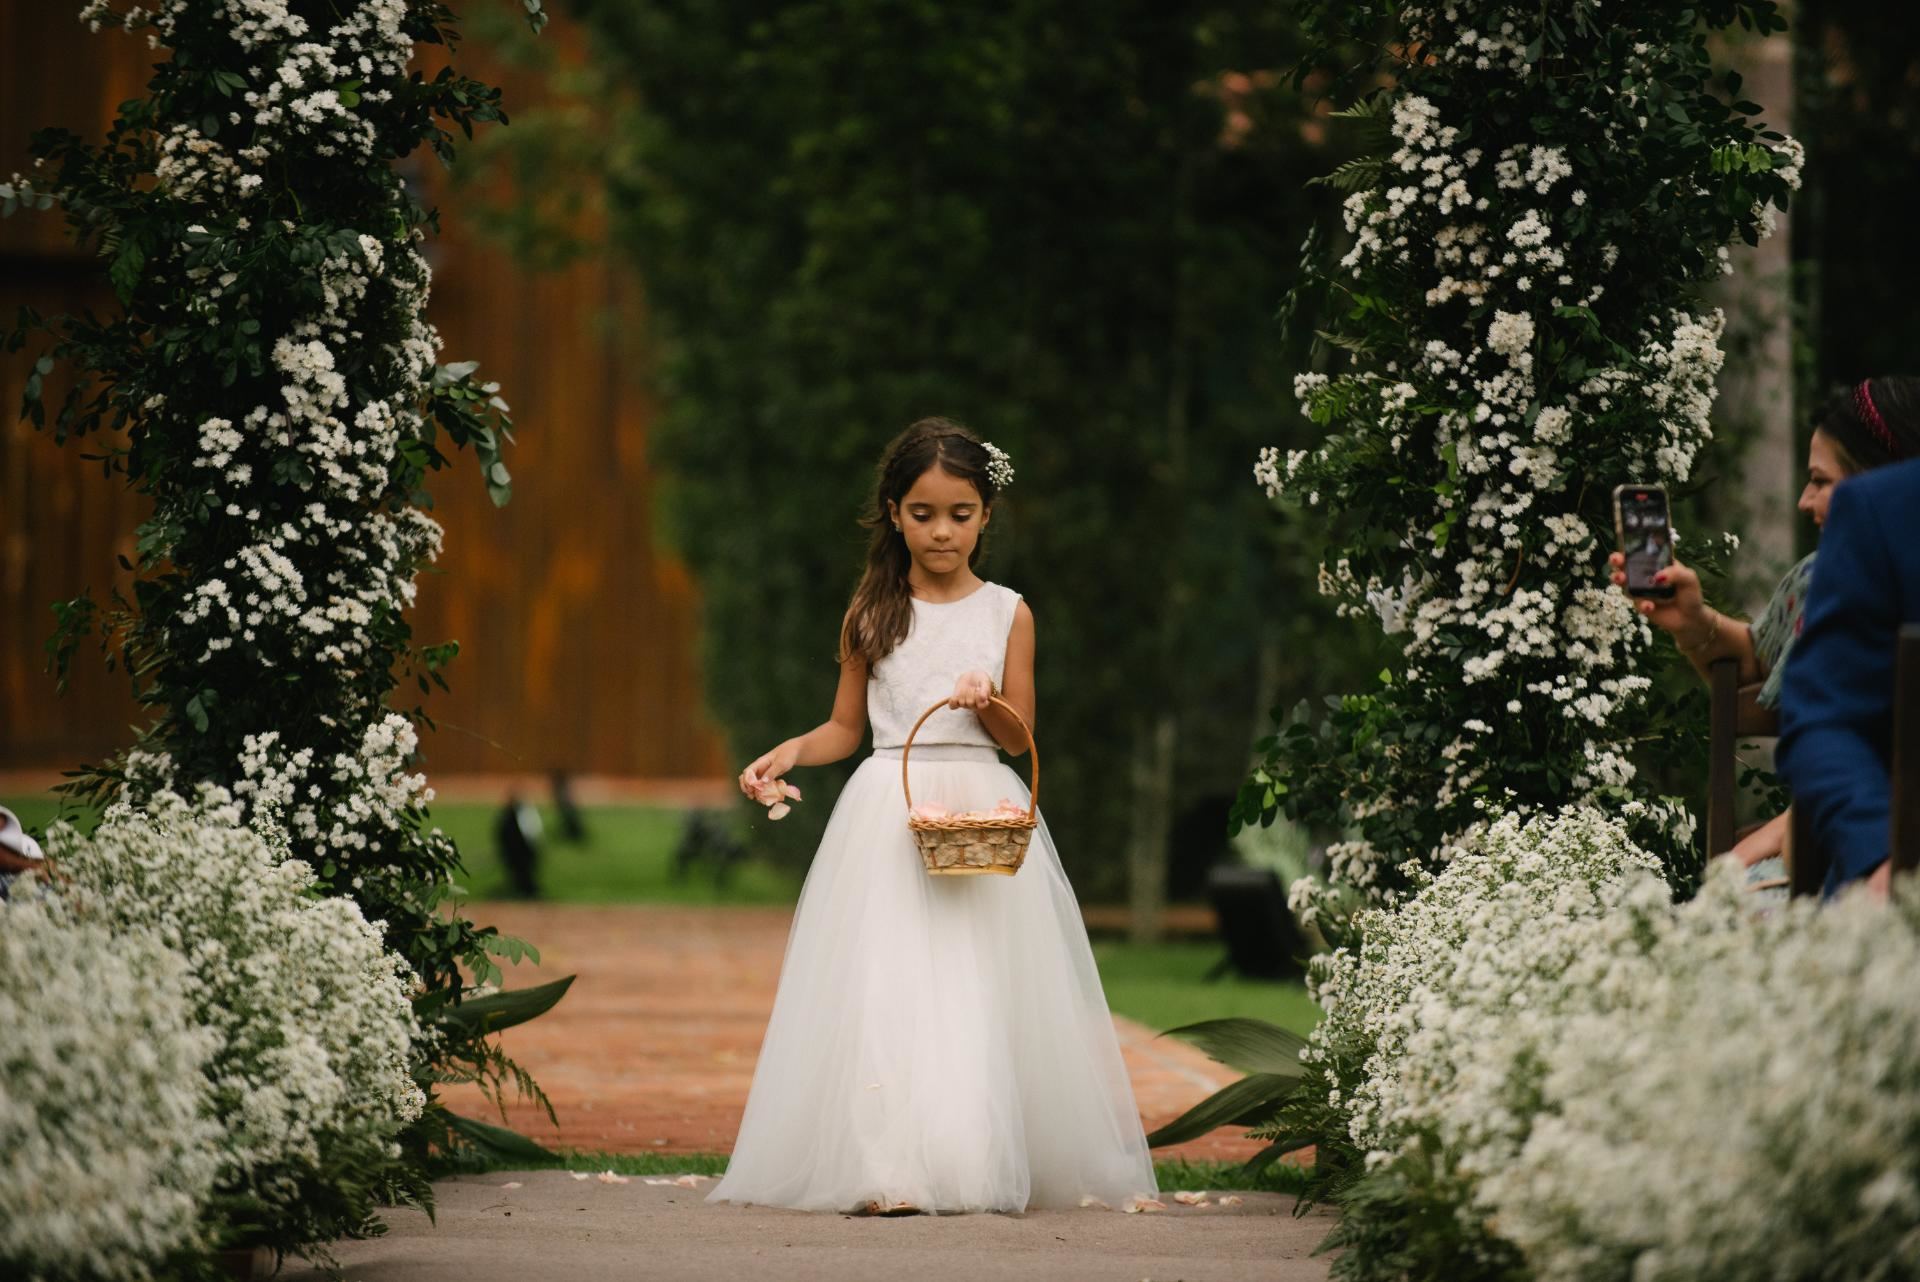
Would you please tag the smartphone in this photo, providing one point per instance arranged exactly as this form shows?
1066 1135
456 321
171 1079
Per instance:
1646 537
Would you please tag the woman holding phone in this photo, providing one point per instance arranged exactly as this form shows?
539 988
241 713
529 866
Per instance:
1869 425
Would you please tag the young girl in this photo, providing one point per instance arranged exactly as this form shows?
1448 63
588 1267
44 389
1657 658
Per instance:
937 1043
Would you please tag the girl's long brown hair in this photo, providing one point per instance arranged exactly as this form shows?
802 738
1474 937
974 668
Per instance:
882 608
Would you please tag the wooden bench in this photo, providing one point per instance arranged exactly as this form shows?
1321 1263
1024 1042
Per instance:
1735 714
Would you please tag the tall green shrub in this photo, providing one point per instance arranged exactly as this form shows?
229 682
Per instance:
270 382
1514 307
1049 223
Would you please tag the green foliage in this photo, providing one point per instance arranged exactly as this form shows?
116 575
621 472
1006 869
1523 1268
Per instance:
1508 337
1038 222
232 238
1856 98
1270 1057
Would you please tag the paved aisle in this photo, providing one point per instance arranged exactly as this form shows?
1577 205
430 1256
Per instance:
653 1048
555 1227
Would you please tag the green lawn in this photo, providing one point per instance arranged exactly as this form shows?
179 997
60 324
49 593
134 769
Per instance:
628 858
1170 1175
1164 986
40 809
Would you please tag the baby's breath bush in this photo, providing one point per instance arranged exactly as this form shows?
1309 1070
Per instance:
1742 1100
1437 1015
1539 1065
108 1146
309 1011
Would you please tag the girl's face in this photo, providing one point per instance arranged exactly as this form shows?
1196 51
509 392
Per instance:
1824 471
941 517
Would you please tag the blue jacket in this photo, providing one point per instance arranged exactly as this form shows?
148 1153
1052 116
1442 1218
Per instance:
1836 701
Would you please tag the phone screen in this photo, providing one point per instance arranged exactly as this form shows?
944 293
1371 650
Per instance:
1646 537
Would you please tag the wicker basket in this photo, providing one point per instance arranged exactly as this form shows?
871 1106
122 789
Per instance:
960 845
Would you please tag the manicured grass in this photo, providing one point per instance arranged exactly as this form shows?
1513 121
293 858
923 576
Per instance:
626 858
472 1162
37 810
1172 1176
1164 986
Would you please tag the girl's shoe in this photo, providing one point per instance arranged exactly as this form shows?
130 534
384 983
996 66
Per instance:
895 1208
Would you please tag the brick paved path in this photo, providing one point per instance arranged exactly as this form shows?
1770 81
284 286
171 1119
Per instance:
654 1046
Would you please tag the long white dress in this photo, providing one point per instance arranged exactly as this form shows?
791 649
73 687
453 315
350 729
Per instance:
939 1040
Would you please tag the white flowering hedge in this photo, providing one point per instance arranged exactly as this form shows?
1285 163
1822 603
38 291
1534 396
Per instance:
1743 1100
108 1145
1515 319
1539 1065
1422 1070
277 382
311 1014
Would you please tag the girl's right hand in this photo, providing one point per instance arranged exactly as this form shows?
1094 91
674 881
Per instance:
766 768
1684 614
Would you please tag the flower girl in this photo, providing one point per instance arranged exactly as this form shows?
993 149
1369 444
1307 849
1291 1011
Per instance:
937 1043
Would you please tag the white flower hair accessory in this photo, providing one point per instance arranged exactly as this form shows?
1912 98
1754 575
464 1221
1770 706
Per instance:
999 466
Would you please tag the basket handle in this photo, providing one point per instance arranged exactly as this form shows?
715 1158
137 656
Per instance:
1033 792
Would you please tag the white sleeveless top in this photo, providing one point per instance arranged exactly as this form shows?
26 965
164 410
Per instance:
945 640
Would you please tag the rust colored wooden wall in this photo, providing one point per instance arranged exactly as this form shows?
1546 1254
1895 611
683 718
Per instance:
577 634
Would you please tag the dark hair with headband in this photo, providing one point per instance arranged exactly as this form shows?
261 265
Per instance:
1875 422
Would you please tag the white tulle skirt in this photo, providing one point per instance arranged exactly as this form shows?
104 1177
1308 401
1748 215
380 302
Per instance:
939 1040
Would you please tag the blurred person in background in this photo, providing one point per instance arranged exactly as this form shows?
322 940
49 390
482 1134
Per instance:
19 853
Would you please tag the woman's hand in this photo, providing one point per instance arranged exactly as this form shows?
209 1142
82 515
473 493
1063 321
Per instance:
973 690
1769 839
1684 614
766 768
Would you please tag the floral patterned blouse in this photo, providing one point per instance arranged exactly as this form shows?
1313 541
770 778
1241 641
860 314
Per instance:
1777 627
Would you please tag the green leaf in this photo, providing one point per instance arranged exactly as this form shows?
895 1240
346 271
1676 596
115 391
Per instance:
1361 174
125 271
1250 1045
498 1141
1244 1103
478 1016
1292 1142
